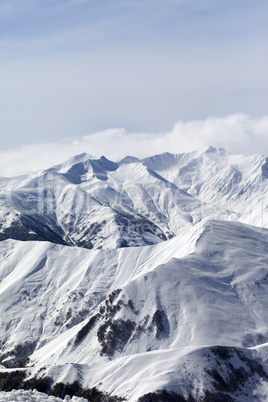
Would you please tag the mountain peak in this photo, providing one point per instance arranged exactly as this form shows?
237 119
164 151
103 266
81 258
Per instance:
106 164
66 165
189 273
129 159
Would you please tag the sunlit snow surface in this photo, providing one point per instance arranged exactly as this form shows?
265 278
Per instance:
34 396
102 204
133 320
209 288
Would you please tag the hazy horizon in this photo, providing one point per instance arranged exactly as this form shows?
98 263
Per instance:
130 77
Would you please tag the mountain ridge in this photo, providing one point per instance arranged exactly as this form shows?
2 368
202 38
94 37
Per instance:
122 326
140 279
86 202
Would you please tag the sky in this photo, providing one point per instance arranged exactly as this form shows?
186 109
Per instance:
117 77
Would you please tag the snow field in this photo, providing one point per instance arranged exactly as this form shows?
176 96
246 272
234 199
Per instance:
35 396
132 320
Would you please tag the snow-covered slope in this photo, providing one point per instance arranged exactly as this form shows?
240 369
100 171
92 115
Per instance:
34 396
99 204
236 182
181 317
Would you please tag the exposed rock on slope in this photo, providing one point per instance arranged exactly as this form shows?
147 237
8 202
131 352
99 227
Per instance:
100 204
187 315
182 317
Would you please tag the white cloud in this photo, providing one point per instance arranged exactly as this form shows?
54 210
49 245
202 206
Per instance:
238 133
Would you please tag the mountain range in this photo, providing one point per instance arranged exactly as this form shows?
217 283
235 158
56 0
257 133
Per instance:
139 280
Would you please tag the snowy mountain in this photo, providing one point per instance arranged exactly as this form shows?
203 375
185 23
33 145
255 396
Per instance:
236 182
182 317
99 204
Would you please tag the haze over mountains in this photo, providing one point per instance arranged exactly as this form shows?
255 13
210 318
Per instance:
137 277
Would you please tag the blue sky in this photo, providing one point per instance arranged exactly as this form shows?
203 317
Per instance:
71 68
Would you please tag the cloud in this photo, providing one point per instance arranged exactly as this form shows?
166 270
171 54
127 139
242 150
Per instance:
238 133
73 67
